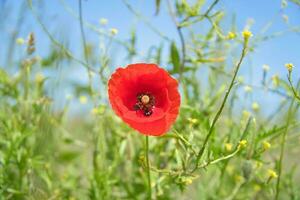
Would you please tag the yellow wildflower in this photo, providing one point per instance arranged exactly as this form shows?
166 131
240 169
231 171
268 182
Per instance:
114 31
246 34
272 173
20 41
255 106
289 66
248 89
242 144
192 120
39 77
231 35
266 145
83 99
228 146
103 21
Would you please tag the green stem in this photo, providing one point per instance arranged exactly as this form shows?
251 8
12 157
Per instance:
282 145
201 151
292 87
148 168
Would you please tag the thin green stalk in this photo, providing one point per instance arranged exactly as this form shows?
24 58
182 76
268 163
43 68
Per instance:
282 145
146 21
148 168
86 57
54 41
182 41
292 87
217 116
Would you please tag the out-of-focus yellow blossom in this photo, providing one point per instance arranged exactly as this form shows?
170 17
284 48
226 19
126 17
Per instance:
246 34
187 180
114 31
20 41
103 21
257 188
255 106
83 99
248 89
258 164
231 35
272 173
242 144
275 80
39 77
230 169
239 178
228 147
289 66
246 114
98 110
266 145
94 111
192 120
240 79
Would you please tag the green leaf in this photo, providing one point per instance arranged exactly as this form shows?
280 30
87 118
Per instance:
297 2
175 59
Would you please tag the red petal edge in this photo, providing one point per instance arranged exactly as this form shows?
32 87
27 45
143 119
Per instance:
126 81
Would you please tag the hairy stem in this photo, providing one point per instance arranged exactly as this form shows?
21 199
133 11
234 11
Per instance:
148 168
296 95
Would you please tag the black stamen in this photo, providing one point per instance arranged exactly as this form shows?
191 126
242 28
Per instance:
147 109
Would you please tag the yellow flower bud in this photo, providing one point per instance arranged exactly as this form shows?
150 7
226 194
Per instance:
289 66
242 144
83 99
272 173
228 147
231 35
239 178
20 41
247 34
255 106
39 77
257 188
103 21
193 120
248 89
266 145
114 31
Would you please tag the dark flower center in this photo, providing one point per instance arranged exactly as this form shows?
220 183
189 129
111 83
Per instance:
145 103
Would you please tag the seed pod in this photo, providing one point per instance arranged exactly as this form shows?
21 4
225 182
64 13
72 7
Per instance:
31 44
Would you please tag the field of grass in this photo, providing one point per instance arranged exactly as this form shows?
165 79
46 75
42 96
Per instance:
61 139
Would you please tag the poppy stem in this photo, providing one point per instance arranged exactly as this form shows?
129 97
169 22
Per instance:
148 168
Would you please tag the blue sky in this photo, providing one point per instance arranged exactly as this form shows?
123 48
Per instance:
275 52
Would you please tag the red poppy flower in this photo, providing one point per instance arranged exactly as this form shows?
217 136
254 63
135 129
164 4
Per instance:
145 96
